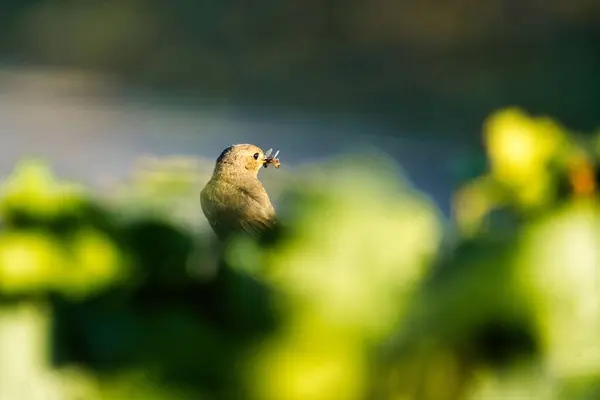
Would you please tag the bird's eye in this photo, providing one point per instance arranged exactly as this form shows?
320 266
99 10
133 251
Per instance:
256 156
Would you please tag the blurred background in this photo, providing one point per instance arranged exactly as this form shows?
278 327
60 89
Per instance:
312 78
414 133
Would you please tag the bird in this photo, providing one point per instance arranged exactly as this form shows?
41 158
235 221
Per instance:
234 201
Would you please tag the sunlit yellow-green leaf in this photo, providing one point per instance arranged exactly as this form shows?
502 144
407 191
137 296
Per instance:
28 262
519 149
360 245
93 263
297 367
560 268
33 189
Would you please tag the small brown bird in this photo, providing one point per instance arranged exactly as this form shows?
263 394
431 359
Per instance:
234 200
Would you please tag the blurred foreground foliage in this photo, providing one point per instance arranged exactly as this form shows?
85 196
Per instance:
357 296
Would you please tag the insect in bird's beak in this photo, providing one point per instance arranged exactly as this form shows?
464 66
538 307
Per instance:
271 159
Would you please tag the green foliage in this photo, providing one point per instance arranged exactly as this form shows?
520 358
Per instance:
353 297
54 238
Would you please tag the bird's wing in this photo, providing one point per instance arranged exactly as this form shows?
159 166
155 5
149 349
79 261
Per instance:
256 212
258 218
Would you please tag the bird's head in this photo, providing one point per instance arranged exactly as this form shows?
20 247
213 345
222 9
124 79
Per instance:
244 159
